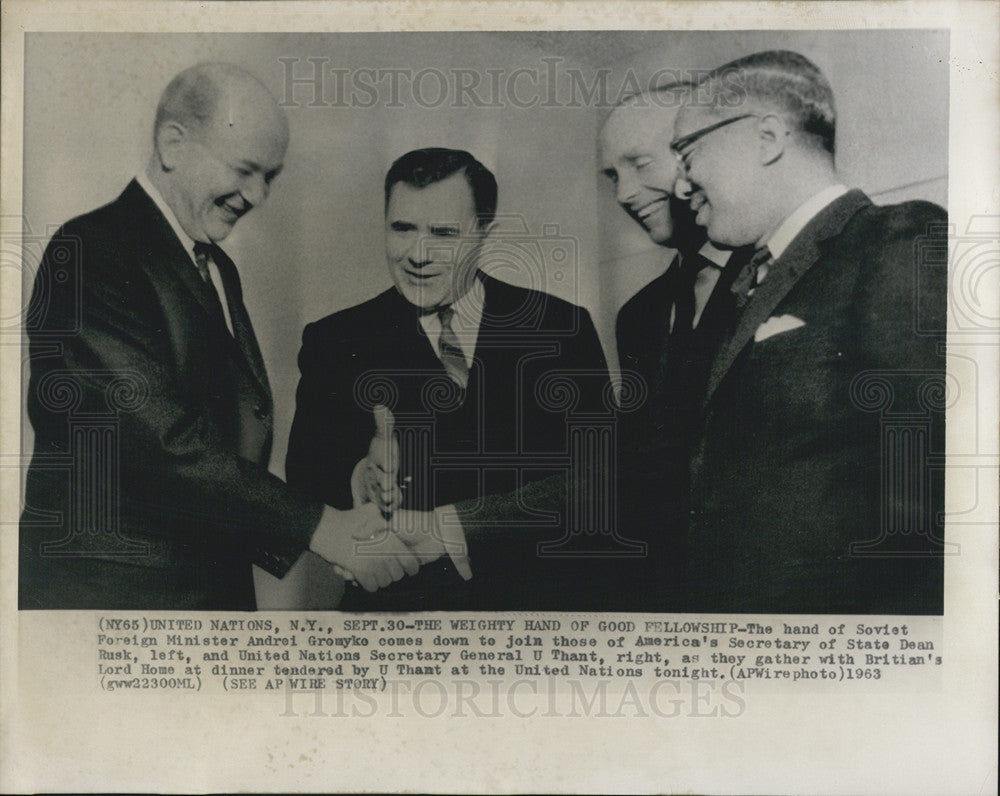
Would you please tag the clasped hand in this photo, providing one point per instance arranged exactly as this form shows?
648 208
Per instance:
374 552
377 543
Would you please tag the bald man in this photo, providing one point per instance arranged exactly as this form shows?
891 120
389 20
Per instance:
148 486
667 334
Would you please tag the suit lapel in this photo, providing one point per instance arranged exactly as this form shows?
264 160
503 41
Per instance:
245 338
661 347
720 307
161 246
801 254
496 308
410 344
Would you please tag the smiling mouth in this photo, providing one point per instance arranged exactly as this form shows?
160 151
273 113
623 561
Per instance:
420 275
701 208
645 212
235 212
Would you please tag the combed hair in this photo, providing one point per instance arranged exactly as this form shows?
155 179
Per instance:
667 95
422 167
781 79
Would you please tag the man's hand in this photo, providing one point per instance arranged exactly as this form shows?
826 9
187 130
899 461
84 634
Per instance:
360 545
378 472
419 532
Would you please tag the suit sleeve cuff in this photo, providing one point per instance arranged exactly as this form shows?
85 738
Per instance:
453 536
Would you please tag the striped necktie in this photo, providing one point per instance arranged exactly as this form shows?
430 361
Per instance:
747 281
202 254
202 258
450 351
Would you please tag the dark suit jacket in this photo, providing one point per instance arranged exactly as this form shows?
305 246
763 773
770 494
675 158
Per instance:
510 428
814 486
671 371
148 485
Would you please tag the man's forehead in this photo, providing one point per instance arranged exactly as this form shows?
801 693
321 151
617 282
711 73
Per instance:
637 125
450 196
251 132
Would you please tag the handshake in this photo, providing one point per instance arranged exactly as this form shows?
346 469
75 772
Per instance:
376 543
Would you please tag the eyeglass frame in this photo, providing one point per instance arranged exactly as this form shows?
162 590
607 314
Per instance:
685 141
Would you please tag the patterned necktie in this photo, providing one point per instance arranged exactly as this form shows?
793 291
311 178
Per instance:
451 352
202 256
744 284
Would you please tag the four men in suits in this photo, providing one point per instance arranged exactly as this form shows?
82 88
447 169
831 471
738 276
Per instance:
465 363
812 489
802 386
148 486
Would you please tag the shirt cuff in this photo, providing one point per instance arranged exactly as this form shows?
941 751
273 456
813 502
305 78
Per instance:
453 537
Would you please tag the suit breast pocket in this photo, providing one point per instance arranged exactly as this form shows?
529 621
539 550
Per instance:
800 373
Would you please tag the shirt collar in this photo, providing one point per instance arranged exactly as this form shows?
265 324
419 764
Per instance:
465 322
805 213
147 185
715 256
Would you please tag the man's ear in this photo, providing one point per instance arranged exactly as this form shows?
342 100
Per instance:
774 134
170 140
488 229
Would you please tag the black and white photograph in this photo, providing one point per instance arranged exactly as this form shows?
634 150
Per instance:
394 385
583 338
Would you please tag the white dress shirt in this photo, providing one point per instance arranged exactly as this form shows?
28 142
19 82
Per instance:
187 242
465 322
705 281
779 240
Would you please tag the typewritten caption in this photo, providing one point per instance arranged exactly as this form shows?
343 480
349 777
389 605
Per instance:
344 665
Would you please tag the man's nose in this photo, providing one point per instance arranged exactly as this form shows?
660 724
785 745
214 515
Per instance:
255 189
627 189
683 187
418 253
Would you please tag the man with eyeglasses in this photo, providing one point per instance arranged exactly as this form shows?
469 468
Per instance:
667 335
148 487
812 490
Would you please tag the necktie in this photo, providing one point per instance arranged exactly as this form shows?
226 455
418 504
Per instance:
696 279
746 281
202 254
684 295
202 257
232 294
451 352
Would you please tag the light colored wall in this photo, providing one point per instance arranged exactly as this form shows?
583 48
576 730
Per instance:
891 91
316 247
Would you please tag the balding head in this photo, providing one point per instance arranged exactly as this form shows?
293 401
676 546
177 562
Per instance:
194 96
220 138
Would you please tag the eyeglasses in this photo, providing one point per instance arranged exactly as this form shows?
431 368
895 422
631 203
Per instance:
681 146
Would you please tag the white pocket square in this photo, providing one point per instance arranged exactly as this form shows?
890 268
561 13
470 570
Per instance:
777 324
